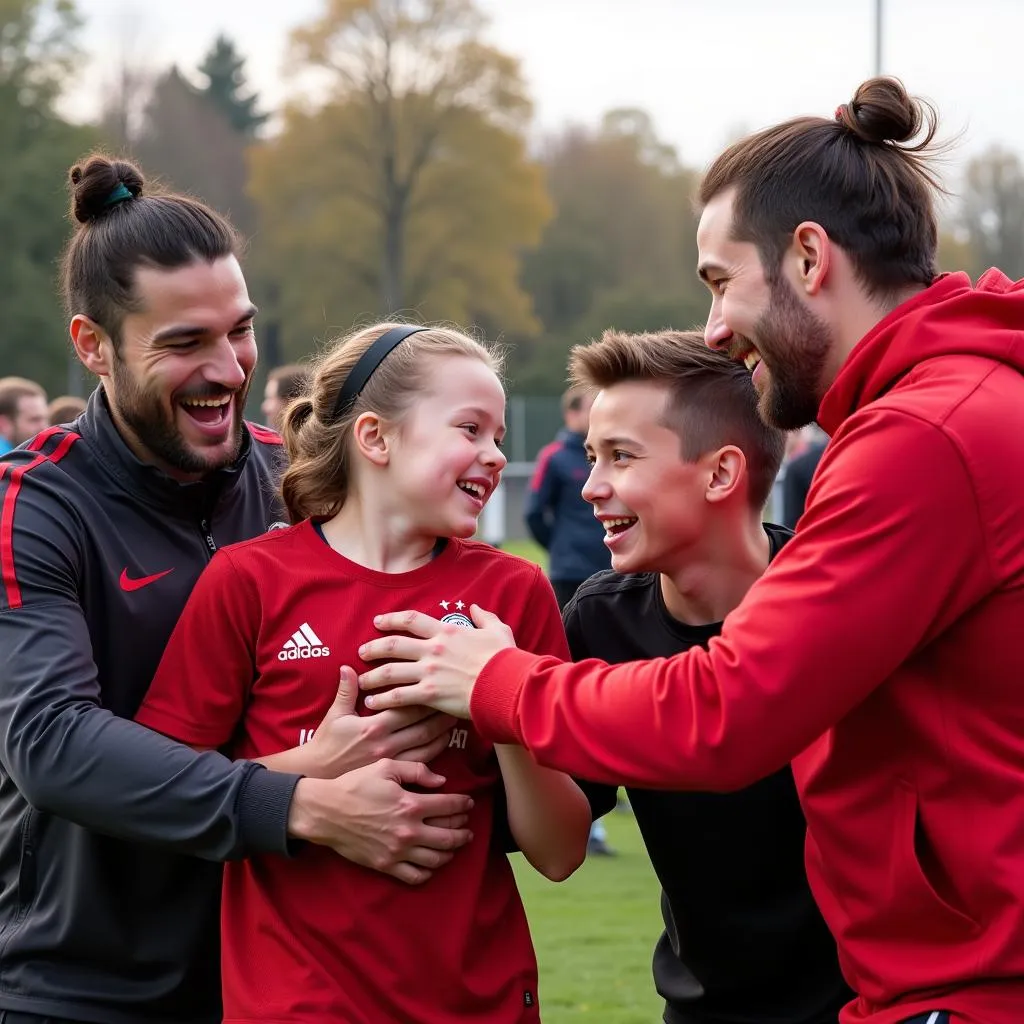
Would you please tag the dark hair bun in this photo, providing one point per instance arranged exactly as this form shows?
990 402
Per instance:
94 182
882 111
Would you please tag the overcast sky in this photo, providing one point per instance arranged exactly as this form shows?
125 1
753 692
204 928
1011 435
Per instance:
704 69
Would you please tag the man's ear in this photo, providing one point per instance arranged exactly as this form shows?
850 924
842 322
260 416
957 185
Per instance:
811 253
372 440
728 471
93 345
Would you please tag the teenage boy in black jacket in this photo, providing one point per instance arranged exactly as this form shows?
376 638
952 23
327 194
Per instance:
681 467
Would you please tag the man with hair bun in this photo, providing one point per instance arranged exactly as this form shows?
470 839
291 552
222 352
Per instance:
879 653
112 834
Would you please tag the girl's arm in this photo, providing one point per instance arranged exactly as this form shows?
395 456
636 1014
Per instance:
547 812
293 762
344 740
290 762
200 691
296 761
326 754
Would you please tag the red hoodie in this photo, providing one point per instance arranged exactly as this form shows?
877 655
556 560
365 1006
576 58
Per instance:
880 652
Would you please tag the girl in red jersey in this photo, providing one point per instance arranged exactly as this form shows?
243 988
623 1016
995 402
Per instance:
393 455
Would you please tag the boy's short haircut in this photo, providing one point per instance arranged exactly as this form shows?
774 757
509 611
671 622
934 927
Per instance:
712 400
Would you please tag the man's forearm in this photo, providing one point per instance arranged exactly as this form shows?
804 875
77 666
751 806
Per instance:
294 761
116 777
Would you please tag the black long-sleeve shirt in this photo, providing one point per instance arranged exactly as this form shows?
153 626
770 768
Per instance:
106 914
743 942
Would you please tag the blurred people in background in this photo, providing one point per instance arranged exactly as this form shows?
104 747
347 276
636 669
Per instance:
558 518
283 384
802 460
22 411
562 523
65 409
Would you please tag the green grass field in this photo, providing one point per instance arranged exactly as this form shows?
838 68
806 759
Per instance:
595 934
527 549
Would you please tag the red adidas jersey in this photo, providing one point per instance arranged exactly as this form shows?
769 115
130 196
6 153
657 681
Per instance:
252 666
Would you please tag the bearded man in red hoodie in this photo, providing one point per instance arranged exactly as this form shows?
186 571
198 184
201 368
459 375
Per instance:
879 652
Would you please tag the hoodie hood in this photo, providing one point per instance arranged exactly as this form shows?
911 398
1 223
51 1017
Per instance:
951 317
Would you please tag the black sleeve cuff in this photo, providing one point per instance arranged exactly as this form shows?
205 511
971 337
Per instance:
263 806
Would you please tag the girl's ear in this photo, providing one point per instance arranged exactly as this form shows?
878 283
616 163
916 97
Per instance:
372 442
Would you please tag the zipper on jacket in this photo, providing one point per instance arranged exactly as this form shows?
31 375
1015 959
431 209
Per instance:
27 879
204 526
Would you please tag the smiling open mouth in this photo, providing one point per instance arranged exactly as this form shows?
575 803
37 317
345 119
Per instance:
210 412
474 489
613 527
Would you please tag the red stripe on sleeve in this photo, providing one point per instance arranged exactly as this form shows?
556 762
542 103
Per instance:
10 579
37 442
263 434
543 458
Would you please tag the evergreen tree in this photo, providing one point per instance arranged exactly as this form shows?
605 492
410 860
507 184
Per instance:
223 68
37 54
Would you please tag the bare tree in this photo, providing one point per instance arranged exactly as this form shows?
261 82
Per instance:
128 82
411 68
992 214
188 142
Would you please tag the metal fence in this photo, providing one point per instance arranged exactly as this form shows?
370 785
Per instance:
502 517
531 421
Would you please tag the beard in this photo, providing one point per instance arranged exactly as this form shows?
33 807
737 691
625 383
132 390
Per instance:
794 346
142 410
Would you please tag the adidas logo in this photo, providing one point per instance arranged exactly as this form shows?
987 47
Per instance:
304 643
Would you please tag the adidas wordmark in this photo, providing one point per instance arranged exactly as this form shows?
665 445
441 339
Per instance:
303 643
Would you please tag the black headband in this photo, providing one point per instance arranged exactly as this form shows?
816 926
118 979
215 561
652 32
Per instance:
367 364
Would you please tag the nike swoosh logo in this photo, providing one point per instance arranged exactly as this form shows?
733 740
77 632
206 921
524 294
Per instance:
129 584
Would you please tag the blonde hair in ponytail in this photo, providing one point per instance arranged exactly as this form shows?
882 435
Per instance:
318 478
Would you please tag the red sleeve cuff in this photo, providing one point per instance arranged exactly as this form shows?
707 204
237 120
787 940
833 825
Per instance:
493 705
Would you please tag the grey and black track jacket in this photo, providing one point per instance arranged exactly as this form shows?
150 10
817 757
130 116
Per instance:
106 914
